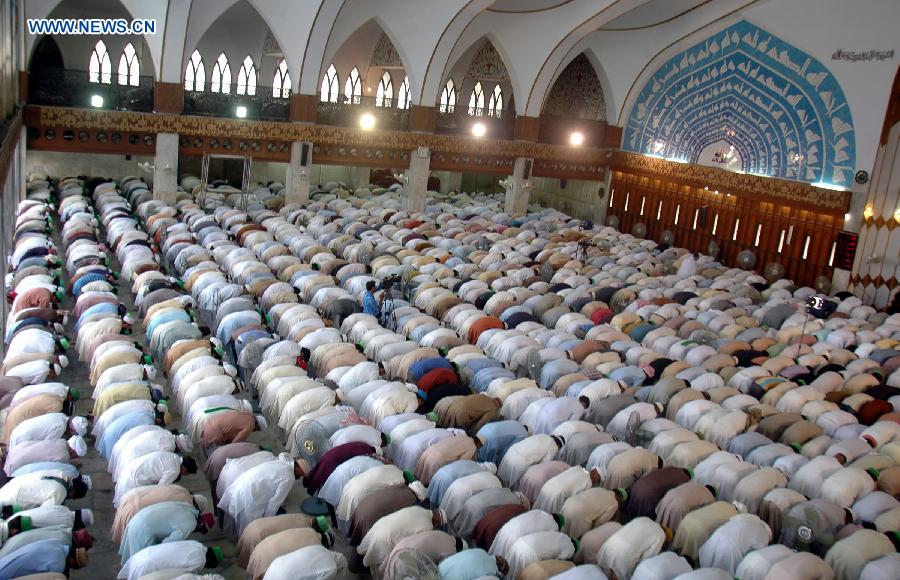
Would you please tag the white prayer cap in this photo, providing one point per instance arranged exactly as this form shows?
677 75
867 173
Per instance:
57 369
261 422
215 341
87 517
186 300
79 425
77 444
88 481
230 369
63 361
184 443
489 467
201 502
284 456
418 489
128 319
150 371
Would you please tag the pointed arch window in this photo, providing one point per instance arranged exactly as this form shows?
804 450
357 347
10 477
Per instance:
246 79
476 101
353 87
221 76
99 67
194 73
129 67
281 84
448 97
329 92
403 94
384 96
495 104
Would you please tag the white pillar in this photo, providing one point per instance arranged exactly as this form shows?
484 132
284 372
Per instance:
454 181
359 177
417 179
519 191
165 172
298 174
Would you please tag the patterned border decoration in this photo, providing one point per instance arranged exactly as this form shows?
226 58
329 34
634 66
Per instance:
745 77
385 53
795 192
322 134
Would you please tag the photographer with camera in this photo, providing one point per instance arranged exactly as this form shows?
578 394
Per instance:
370 304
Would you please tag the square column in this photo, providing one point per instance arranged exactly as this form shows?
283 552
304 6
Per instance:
165 172
518 190
417 179
359 177
297 183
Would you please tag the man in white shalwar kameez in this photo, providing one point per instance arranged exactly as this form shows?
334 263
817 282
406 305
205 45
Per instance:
523 524
260 491
732 541
537 546
390 529
639 539
559 488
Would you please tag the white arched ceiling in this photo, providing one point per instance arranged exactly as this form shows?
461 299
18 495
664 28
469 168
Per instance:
524 39
414 28
150 9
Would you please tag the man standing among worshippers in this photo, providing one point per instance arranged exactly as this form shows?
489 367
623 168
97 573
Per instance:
390 529
370 304
184 555
260 491
169 521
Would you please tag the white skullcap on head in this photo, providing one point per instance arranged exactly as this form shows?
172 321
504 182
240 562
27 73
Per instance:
287 457
741 508
418 489
184 443
88 481
261 422
79 425
489 467
87 517
230 370
201 502
128 319
57 369
150 370
77 444
215 341
186 300
63 360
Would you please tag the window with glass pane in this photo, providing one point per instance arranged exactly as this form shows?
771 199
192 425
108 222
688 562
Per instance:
194 73
385 93
495 104
448 97
403 94
99 67
329 92
476 101
246 80
281 84
353 87
129 67
221 76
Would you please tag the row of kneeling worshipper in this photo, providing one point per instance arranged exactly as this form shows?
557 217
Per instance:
529 410
42 530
